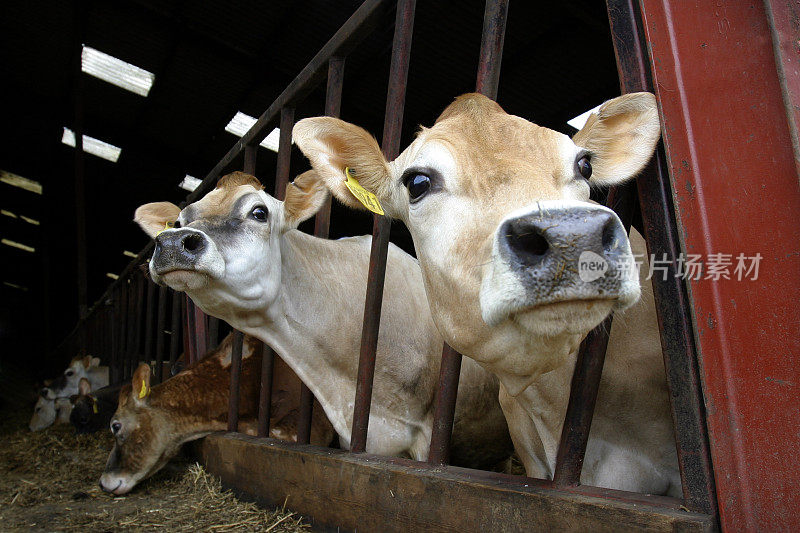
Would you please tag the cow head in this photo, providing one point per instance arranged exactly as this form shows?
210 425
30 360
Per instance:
224 249
499 212
143 437
67 384
44 412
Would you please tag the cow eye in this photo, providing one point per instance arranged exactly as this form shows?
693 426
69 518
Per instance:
418 185
259 213
69 373
176 224
585 167
115 427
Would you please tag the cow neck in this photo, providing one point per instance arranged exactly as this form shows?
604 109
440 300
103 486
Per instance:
319 307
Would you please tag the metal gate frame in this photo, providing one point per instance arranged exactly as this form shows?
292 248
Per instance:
353 489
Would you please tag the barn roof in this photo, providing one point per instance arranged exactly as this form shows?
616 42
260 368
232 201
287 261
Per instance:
211 60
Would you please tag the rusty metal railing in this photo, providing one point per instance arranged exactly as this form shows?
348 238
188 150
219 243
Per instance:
127 325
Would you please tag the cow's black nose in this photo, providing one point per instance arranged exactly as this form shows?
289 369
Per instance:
561 235
181 243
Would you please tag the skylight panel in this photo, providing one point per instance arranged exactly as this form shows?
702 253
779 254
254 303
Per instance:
240 123
19 181
15 244
580 121
15 286
129 253
116 71
93 146
112 276
23 217
189 183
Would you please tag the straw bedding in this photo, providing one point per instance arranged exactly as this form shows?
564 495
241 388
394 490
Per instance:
49 482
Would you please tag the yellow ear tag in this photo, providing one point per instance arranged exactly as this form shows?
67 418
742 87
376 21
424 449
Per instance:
167 225
144 391
94 406
369 200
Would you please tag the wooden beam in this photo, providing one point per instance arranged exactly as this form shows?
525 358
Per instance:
369 493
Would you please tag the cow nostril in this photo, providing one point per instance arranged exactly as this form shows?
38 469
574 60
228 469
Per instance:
192 242
610 235
527 243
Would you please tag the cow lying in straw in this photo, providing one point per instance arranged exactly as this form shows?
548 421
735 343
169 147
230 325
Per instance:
87 367
237 254
49 410
499 211
150 425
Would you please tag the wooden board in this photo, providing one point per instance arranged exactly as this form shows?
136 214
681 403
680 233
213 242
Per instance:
371 493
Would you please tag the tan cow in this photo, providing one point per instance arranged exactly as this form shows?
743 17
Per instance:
150 425
519 266
237 254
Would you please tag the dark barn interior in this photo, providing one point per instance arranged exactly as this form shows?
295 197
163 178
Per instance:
211 60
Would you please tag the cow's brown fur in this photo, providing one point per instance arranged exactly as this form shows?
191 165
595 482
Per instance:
236 179
195 403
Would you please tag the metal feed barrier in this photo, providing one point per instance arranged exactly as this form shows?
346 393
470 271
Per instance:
130 320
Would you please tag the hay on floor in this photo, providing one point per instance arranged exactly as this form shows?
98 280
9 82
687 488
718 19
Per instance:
49 481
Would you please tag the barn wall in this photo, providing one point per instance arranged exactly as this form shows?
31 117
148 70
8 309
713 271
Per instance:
736 188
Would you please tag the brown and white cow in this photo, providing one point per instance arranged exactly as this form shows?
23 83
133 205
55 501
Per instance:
238 255
67 384
150 425
499 212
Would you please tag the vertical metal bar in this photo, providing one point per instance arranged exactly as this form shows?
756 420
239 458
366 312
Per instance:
670 292
265 398
492 38
131 327
587 373
212 340
161 324
250 153
284 152
491 54
444 411
80 193
175 329
120 329
149 318
392 126
236 372
333 107
138 281
200 333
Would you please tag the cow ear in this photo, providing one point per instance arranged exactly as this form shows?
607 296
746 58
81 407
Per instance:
621 137
153 217
140 384
304 197
84 387
95 361
333 146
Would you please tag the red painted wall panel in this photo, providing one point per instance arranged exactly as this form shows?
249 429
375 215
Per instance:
736 188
